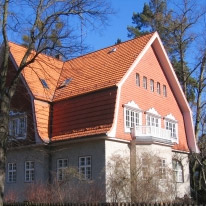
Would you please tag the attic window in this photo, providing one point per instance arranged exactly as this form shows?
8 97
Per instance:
65 82
44 83
112 50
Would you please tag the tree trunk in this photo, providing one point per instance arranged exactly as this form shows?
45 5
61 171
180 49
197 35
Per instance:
4 121
199 94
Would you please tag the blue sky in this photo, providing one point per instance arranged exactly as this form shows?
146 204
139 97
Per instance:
118 23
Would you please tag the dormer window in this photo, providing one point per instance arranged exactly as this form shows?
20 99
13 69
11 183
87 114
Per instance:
172 125
18 125
132 116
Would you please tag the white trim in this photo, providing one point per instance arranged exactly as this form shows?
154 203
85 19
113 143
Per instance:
170 117
176 87
135 110
153 111
132 105
158 47
113 129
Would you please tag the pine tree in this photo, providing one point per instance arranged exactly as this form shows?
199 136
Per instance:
173 29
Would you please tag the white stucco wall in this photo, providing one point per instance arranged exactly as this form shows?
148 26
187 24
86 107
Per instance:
67 150
18 189
101 151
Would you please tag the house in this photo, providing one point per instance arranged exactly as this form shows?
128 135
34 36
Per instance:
80 112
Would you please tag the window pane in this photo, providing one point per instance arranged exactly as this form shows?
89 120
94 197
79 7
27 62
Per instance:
137 80
127 118
85 169
152 85
132 119
158 88
164 90
145 82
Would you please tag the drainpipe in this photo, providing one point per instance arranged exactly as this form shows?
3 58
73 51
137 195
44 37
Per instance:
133 166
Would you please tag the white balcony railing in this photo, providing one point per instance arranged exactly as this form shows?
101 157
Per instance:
157 132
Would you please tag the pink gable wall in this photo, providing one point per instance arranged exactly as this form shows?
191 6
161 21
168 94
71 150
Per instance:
149 67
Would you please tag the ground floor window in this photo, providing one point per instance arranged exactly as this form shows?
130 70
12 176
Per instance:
178 171
85 167
29 171
162 168
11 176
62 165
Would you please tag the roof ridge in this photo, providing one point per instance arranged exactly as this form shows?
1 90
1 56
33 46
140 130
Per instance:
151 33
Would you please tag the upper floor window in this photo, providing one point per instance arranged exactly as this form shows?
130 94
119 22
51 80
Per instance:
171 124
29 171
62 165
132 116
153 118
158 88
137 80
11 173
145 82
151 85
85 167
18 125
164 90
178 171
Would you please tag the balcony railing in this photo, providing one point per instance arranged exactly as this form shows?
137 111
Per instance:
153 132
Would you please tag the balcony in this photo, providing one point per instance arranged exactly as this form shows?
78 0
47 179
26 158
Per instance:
151 134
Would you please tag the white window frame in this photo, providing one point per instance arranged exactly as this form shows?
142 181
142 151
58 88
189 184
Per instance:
162 169
178 171
138 79
144 82
62 165
172 124
85 167
29 171
132 116
151 85
158 88
11 172
153 118
164 91
18 125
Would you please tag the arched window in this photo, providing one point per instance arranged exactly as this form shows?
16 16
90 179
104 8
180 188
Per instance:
178 171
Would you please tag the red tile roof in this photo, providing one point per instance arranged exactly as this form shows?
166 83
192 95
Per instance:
44 67
100 69
87 114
